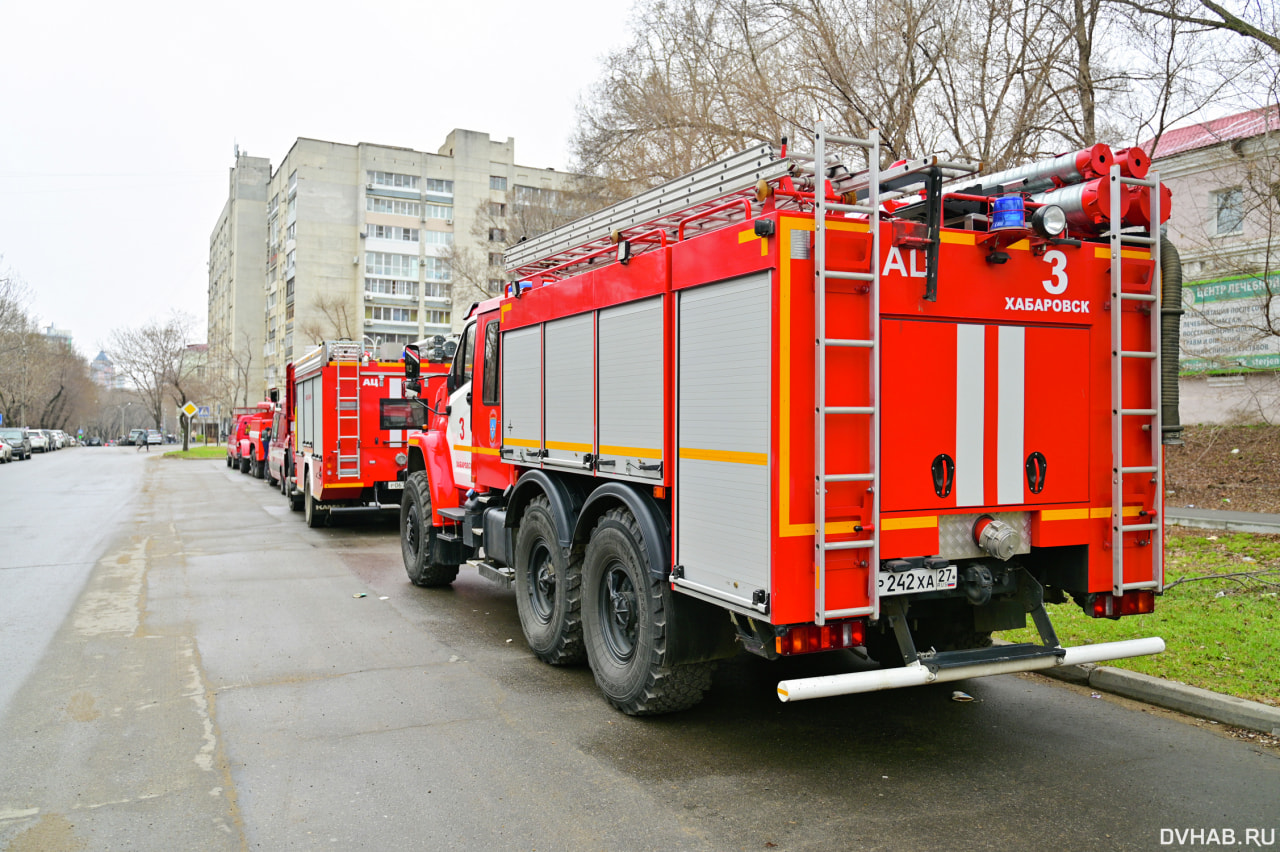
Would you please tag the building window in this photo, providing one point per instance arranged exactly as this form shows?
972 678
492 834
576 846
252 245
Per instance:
497 235
435 290
390 287
386 313
394 206
444 187
1228 206
437 317
496 285
496 209
497 182
392 179
438 211
393 232
291 232
391 265
437 268
495 258
437 238
537 196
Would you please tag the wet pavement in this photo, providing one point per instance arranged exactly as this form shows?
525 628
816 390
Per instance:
217 676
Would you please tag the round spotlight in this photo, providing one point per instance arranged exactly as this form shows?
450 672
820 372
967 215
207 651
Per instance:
401 458
1049 221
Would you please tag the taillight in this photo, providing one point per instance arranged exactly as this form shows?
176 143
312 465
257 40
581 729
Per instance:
809 638
1113 606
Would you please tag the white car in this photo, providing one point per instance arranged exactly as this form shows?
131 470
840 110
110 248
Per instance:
39 443
6 452
154 437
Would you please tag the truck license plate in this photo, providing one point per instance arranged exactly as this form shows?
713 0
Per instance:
916 580
399 486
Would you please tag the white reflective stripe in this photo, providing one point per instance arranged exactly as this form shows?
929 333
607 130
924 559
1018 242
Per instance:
970 404
1010 414
395 391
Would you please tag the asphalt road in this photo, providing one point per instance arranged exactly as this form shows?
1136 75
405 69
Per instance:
187 667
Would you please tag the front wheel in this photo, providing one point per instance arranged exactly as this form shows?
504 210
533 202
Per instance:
548 589
418 536
626 616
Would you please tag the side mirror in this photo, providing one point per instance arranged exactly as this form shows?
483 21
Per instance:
412 389
412 362
275 394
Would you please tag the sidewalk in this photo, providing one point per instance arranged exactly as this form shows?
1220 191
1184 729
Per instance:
1215 519
1190 700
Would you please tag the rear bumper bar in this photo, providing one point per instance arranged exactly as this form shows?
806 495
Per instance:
919 674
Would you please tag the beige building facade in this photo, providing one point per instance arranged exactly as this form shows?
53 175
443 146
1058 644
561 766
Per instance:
365 242
237 257
1224 220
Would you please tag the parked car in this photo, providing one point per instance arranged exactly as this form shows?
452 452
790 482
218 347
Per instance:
134 436
154 437
60 438
6 452
39 441
17 439
53 439
95 441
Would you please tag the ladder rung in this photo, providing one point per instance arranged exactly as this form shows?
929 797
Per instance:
1138 412
847 208
848 409
848 477
1146 469
1143 584
846 140
1137 527
1137 297
1135 354
846 613
848 276
847 545
856 344
1134 240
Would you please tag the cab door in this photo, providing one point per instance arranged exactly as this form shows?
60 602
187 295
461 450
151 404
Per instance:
458 433
486 410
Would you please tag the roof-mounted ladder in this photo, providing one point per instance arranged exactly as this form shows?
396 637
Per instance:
346 356
1151 516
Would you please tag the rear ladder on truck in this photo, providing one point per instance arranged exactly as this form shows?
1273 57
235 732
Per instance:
1150 518
347 395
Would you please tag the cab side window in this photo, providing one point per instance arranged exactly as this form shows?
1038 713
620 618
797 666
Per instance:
490 396
464 361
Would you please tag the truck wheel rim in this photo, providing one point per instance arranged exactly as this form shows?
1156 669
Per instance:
412 533
618 612
542 591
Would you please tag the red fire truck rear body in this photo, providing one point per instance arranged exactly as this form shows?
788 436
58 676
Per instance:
349 425
972 414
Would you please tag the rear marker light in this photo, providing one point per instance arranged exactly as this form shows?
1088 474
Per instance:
1131 603
810 638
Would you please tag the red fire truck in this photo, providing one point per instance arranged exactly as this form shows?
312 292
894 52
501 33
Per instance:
790 409
350 419
244 440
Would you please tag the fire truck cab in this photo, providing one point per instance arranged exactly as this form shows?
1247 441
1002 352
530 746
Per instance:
764 409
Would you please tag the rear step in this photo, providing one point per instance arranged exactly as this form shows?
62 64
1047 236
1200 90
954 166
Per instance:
920 672
503 575
996 654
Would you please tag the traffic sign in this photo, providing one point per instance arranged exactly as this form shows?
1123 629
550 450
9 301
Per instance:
189 409
203 411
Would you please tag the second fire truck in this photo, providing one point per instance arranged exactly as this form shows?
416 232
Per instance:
787 404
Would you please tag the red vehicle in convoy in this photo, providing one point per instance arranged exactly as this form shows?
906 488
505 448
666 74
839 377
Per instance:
348 421
280 446
766 409
245 439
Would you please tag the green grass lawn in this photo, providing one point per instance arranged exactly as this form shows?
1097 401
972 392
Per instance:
210 452
1221 634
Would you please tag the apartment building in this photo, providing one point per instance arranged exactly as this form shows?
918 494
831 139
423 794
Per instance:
1225 219
367 242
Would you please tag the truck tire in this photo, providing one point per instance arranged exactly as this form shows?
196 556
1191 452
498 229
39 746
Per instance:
244 464
315 517
625 621
271 479
228 459
417 536
258 468
548 589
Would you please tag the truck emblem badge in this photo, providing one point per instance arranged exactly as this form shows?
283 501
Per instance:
493 426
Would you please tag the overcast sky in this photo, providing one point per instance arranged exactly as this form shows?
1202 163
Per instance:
118 120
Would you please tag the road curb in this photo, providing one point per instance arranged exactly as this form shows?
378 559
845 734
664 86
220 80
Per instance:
1191 700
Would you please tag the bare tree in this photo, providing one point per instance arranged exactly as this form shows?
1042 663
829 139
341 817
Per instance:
335 320
154 360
